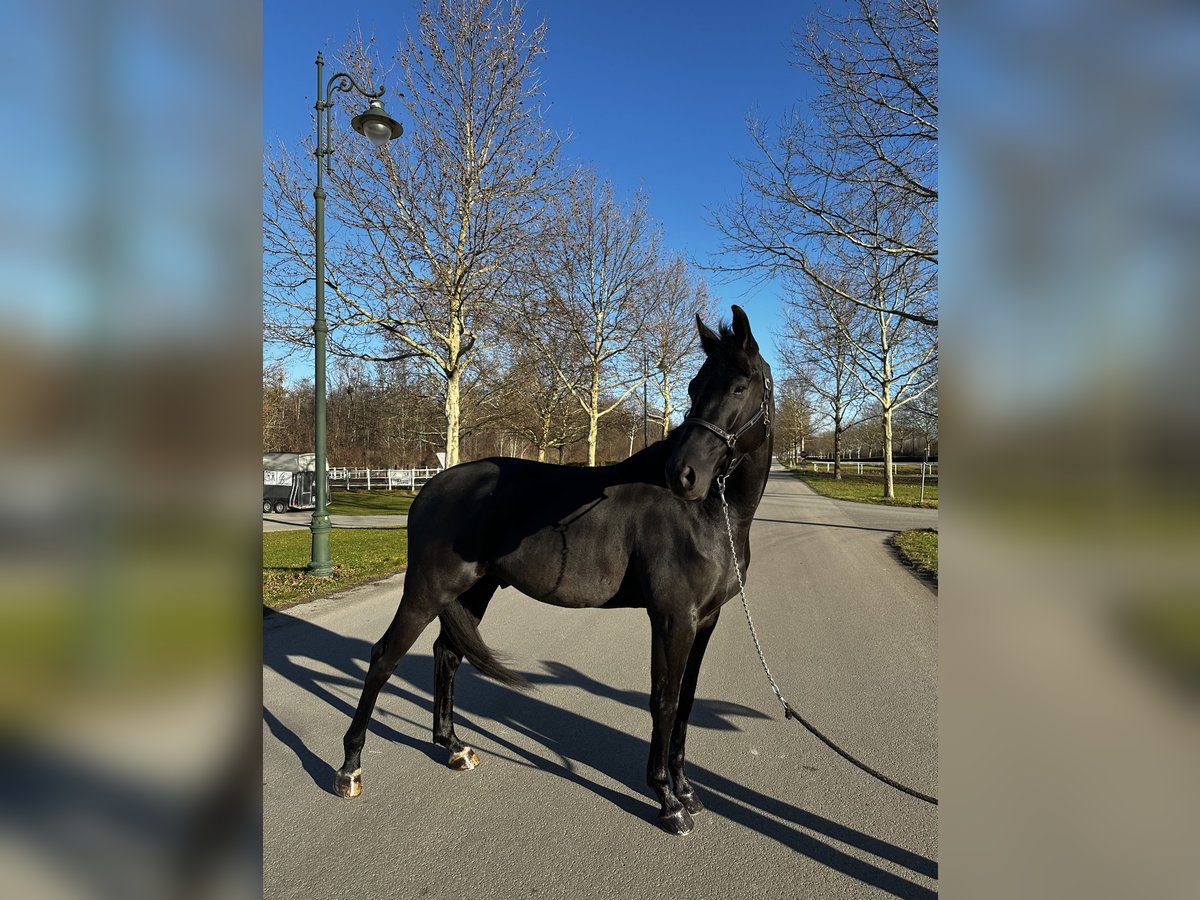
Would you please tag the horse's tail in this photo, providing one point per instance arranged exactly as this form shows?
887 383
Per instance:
463 631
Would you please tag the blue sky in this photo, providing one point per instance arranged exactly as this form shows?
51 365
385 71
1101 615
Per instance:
654 95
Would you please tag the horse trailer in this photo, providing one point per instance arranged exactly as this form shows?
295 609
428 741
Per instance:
289 481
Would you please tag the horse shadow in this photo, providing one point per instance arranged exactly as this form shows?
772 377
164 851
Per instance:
573 744
307 641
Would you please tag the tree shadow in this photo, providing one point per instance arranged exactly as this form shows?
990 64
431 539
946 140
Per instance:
287 522
573 745
706 713
828 525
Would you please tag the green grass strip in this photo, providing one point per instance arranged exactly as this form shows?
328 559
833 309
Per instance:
869 488
919 549
1164 625
370 503
359 555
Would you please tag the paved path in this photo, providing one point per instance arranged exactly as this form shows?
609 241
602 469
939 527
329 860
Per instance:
559 808
291 521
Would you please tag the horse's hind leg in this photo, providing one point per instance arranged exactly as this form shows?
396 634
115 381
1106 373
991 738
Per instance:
446 659
417 609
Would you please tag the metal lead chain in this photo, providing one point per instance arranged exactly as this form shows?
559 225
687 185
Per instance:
788 712
742 591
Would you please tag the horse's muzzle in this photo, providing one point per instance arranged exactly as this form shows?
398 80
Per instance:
685 482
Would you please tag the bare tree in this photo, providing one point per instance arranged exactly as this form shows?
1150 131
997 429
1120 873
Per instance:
274 408
433 227
594 263
896 357
872 126
793 415
920 420
674 296
818 340
542 409
405 400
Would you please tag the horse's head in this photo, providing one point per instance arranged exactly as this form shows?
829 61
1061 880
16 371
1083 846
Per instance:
730 409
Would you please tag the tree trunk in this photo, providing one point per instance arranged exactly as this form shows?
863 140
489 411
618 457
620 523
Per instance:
594 418
545 437
837 449
889 482
593 432
453 416
665 390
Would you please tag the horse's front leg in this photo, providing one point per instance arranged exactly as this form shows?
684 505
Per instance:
671 643
687 694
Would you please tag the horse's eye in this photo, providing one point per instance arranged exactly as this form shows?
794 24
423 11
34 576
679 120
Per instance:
740 389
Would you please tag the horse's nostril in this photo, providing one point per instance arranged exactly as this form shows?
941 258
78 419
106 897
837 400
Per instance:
687 477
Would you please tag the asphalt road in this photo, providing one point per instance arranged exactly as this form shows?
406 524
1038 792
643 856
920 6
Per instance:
559 807
292 521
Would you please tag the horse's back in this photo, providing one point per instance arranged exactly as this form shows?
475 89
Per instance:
477 501
562 534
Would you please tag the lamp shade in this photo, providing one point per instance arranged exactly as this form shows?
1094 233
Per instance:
376 125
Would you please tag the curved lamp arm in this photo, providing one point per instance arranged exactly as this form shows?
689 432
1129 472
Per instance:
345 82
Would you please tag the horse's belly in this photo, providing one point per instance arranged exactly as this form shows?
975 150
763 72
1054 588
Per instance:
572 595
571 574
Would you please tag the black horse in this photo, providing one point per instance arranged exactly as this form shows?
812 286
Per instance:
649 532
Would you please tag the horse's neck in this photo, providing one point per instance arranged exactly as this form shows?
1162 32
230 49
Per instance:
746 483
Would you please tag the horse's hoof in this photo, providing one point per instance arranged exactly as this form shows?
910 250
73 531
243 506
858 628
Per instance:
691 802
678 822
464 760
348 786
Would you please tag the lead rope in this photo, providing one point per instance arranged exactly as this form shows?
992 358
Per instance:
788 712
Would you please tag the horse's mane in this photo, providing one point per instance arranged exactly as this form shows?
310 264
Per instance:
730 348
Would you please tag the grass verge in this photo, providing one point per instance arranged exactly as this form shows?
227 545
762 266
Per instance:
919 550
370 503
869 489
1165 629
359 555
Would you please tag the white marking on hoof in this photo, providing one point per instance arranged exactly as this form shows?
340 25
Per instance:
464 760
349 787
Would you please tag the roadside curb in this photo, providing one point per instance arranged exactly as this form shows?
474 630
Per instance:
318 604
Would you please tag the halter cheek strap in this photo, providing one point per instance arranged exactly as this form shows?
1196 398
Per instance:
732 437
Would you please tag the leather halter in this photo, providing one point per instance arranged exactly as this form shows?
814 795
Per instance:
732 437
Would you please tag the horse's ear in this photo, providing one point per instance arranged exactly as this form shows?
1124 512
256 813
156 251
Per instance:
741 330
709 339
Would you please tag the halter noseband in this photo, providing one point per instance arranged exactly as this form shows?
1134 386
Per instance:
732 437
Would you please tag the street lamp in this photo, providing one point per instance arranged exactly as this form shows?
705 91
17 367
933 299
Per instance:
378 127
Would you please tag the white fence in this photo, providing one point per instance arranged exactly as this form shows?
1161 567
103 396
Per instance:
913 470
380 479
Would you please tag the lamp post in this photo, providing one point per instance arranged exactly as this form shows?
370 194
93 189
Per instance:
378 127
